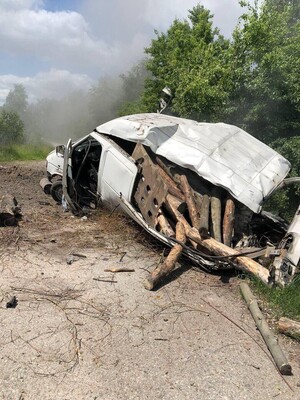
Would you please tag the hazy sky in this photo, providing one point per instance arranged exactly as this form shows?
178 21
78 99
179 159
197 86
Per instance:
56 46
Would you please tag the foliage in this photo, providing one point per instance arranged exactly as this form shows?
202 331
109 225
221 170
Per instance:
286 201
284 301
265 71
16 100
11 128
192 60
23 152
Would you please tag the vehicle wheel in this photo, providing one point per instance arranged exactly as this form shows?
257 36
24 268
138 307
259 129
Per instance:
56 191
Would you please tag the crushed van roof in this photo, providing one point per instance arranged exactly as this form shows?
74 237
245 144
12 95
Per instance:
223 154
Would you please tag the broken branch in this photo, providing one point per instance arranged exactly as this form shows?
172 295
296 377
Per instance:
120 269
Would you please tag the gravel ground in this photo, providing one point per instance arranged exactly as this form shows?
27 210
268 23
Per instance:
79 332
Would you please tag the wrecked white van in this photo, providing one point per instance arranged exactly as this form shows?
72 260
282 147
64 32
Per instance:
137 162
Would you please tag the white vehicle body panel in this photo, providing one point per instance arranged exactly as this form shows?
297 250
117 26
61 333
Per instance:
116 174
223 154
54 163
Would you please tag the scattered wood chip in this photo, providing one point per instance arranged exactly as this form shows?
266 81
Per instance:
105 280
121 269
78 255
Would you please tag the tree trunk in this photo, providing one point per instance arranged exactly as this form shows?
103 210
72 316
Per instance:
228 221
173 206
215 205
189 198
165 226
242 263
164 269
204 216
270 340
289 328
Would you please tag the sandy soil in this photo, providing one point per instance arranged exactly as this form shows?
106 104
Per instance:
79 332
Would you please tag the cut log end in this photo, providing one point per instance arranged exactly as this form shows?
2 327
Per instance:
148 283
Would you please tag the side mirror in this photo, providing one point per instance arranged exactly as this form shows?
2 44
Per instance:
60 149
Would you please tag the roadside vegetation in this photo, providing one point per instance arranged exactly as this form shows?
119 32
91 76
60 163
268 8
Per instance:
24 152
283 301
250 80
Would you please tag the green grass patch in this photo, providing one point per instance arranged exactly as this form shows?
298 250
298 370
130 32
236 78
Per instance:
24 152
285 302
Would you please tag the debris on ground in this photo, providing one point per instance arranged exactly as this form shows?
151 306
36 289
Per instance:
289 327
12 303
10 211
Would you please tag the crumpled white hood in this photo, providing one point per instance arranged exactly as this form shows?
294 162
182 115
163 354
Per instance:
223 154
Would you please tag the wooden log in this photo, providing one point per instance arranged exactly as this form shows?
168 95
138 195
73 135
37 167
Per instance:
172 187
228 221
164 269
189 198
270 340
289 327
242 263
174 207
198 199
204 216
216 210
174 175
165 226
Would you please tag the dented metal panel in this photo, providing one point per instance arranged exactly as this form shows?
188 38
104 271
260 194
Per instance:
223 154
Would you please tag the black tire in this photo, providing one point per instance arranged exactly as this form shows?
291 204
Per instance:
56 191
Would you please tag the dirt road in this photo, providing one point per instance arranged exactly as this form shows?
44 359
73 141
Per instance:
79 332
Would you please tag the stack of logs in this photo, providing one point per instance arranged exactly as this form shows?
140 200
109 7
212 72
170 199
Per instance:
10 212
205 221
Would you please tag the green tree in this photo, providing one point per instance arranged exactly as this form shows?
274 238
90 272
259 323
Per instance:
265 71
11 128
192 59
16 100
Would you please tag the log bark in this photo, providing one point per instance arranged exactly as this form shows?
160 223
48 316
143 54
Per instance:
216 210
289 328
165 226
228 221
198 199
173 206
204 216
270 340
173 175
189 198
242 263
172 187
164 269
